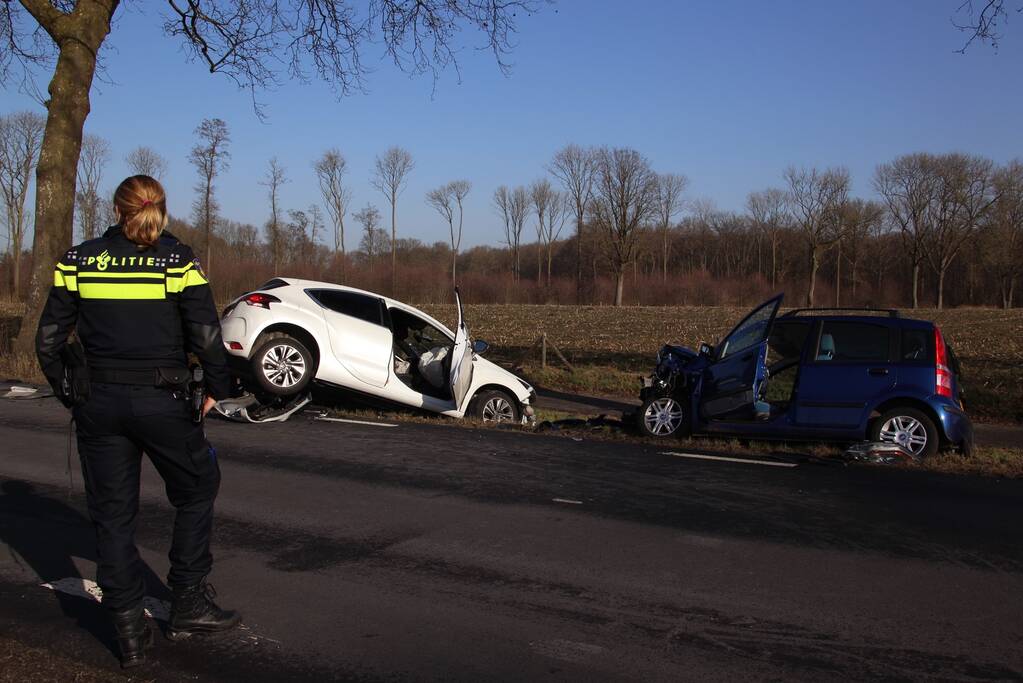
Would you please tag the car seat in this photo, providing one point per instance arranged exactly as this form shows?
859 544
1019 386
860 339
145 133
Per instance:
827 348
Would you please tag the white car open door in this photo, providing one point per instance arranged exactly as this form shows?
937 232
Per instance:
461 359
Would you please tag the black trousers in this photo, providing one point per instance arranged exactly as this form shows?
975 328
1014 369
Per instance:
115 426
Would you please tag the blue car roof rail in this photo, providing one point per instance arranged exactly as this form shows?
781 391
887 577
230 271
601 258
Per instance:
890 312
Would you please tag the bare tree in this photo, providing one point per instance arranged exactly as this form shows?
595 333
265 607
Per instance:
518 208
1005 223
817 197
369 218
146 161
625 196
857 219
501 201
541 194
390 176
574 166
273 179
94 158
210 157
330 170
557 210
21 136
459 190
251 43
669 204
908 187
965 193
770 214
983 25
442 200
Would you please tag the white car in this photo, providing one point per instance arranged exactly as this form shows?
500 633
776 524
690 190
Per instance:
290 332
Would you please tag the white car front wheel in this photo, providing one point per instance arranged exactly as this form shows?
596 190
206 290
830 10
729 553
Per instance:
494 407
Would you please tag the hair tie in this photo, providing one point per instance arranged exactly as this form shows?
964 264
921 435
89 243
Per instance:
146 203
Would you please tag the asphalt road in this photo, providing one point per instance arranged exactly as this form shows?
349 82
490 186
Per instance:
431 552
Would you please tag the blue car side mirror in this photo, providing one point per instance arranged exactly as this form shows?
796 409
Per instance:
479 347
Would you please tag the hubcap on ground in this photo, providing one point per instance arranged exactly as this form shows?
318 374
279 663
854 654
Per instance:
905 431
498 409
283 366
663 416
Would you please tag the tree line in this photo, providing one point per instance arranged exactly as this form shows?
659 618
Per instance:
939 227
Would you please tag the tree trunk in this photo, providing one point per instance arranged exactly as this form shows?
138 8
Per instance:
774 262
619 284
344 256
838 277
941 287
916 284
579 258
813 276
665 255
394 248
78 37
454 268
208 217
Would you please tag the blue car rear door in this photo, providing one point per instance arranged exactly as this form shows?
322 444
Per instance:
731 384
848 370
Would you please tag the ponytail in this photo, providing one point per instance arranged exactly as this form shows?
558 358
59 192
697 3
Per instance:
142 206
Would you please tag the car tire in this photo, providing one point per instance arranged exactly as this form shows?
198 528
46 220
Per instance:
494 407
905 426
282 365
662 416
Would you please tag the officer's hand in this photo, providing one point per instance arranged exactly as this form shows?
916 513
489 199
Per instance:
208 404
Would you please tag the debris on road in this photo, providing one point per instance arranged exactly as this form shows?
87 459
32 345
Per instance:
20 392
879 452
591 423
248 408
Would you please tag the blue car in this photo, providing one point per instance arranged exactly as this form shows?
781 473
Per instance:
814 374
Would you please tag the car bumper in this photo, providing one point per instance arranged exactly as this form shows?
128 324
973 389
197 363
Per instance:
957 426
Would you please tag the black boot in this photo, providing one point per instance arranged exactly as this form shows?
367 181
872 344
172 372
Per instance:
193 611
133 635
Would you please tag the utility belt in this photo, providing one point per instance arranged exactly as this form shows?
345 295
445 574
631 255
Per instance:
173 378
186 380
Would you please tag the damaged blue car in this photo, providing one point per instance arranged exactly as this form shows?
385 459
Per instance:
814 375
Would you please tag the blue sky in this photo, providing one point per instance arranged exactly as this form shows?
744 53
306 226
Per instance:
728 93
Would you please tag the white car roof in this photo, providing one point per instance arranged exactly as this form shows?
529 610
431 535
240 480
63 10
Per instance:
391 303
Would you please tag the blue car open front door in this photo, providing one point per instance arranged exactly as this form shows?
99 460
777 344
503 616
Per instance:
732 382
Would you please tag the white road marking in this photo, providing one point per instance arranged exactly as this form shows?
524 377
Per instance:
567 500
695 456
356 422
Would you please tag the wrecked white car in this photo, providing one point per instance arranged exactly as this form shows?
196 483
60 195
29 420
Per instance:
290 332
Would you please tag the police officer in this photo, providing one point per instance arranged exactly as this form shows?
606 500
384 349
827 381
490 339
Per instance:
139 301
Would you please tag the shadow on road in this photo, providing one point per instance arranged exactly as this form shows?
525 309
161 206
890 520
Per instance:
46 535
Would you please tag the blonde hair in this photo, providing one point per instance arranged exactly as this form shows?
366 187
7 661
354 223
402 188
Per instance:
142 207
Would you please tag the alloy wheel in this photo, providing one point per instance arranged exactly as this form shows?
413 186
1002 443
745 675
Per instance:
283 366
498 409
663 416
905 431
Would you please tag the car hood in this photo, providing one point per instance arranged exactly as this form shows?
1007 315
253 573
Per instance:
487 372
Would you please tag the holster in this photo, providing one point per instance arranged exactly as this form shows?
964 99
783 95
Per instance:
174 378
74 386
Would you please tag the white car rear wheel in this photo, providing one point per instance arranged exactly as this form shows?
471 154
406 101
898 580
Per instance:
282 365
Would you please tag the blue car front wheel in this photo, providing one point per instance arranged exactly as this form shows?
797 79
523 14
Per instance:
663 416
